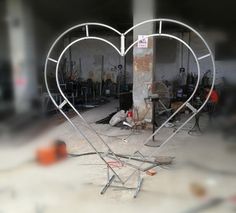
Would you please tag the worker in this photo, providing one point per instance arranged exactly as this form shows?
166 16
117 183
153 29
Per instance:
214 97
212 102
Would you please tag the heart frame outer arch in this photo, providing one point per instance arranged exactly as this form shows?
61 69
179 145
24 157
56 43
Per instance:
122 51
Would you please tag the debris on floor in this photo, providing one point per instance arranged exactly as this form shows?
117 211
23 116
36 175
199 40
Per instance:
115 164
206 205
198 189
118 117
51 154
164 160
151 172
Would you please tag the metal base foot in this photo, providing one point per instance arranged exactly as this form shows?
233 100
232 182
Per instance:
108 184
195 131
138 187
121 185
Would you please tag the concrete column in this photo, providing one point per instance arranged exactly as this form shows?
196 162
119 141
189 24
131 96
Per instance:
143 58
22 52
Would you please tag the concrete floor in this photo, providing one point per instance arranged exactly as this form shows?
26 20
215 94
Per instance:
74 185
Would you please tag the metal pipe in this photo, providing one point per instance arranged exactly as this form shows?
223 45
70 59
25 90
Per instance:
195 89
63 95
122 52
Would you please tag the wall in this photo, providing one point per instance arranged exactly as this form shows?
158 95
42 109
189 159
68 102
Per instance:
90 54
169 70
4 48
168 58
44 37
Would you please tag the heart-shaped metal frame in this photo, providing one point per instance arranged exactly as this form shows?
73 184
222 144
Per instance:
122 51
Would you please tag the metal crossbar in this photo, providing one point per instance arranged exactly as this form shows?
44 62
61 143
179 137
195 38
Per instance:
122 51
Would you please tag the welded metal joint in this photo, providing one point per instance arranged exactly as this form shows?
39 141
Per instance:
192 108
160 27
62 104
122 44
87 30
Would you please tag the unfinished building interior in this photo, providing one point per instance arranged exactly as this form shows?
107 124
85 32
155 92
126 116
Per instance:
125 105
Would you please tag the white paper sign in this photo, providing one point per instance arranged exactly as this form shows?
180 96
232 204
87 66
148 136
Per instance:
143 42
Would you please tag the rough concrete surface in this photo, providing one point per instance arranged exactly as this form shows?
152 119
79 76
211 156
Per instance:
74 185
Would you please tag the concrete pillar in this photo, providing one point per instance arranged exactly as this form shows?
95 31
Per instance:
22 50
143 58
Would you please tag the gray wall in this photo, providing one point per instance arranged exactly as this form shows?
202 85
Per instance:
4 48
90 53
44 37
168 70
168 58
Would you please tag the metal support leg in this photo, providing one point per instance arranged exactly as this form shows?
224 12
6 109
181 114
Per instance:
108 184
108 173
196 130
153 119
140 181
154 143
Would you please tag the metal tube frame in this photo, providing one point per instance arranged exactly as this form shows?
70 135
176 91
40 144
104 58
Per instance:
122 51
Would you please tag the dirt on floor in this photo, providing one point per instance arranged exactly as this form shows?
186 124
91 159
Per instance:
203 170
